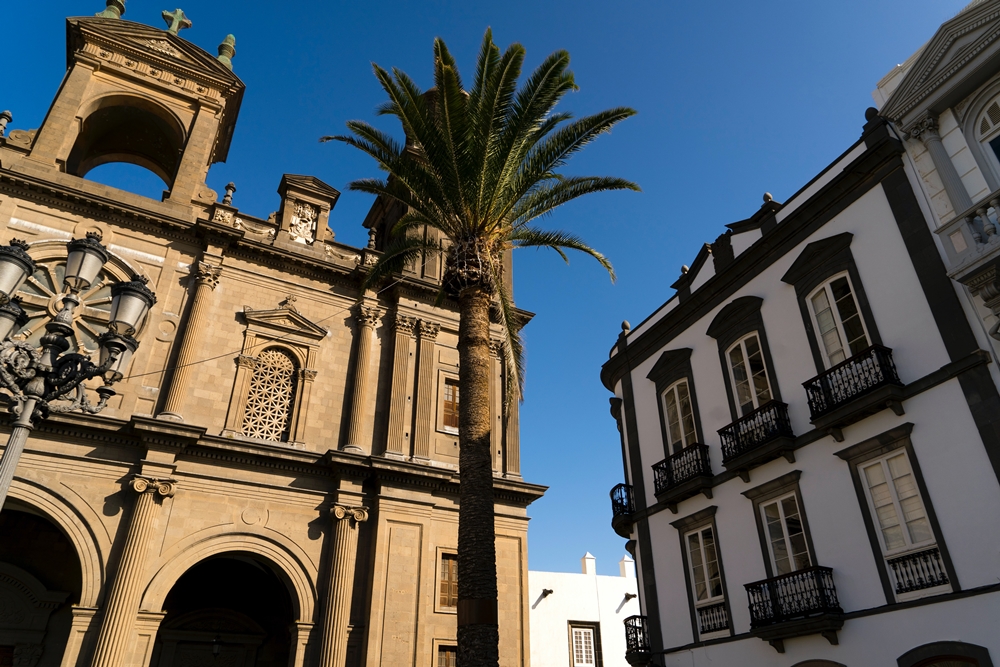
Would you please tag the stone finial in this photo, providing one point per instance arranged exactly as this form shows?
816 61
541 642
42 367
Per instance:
176 20
626 327
371 238
230 191
227 50
114 10
684 269
5 117
768 197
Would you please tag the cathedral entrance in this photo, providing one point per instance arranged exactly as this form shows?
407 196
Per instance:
40 580
230 610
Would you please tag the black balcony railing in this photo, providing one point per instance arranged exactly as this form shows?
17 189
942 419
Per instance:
622 500
636 635
867 370
919 570
685 465
789 597
764 424
712 618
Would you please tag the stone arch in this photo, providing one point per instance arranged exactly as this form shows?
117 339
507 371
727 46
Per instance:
818 663
946 652
75 526
292 566
968 124
132 128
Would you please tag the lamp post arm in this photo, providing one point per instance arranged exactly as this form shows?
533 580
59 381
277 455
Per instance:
70 371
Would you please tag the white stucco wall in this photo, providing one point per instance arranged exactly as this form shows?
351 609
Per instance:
584 596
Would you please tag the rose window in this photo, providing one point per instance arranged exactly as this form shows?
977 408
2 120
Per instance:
268 409
41 300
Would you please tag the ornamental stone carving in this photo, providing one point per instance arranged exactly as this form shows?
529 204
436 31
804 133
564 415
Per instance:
207 274
358 514
925 128
163 488
367 316
302 228
404 324
246 361
429 330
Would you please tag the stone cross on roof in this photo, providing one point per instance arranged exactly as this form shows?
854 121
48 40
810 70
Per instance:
176 20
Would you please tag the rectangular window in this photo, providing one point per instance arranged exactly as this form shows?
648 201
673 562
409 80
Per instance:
751 386
451 403
680 416
583 647
838 321
447 656
786 538
703 560
448 583
895 503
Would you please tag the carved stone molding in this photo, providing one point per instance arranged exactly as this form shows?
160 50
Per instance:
308 374
925 128
245 361
340 512
429 330
404 324
161 487
496 347
207 274
367 315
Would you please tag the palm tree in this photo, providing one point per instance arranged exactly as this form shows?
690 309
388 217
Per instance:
480 167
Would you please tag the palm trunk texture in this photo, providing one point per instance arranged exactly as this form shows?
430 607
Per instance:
478 634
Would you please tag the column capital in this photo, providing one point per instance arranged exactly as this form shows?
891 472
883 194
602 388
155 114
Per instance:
207 274
404 324
161 487
339 512
926 128
246 361
308 374
429 330
496 347
367 315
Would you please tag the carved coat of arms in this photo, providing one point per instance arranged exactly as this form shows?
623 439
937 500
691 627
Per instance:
303 225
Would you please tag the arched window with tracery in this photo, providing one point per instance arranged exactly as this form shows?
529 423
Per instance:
271 396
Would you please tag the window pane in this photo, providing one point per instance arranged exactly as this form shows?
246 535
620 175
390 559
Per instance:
583 647
828 333
687 414
448 589
796 536
447 656
697 567
744 398
759 374
673 419
885 509
712 564
451 403
909 499
776 536
850 318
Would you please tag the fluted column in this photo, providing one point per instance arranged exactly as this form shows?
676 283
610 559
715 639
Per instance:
425 390
206 279
337 605
496 404
398 440
367 317
926 130
123 602
513 433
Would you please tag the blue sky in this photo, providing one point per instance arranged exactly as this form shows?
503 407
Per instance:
734 99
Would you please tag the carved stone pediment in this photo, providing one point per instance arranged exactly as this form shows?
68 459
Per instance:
286 320
306 203
959 58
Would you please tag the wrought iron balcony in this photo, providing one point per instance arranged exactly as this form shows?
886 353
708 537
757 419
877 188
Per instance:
712 618
682 475
800 603
756 438
918 570
622 508
637 647
853 389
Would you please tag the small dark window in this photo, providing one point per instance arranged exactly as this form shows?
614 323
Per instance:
448 588
447 656
995 145
451 403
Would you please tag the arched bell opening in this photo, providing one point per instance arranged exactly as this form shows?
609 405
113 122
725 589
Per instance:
230 610
130 130
40 581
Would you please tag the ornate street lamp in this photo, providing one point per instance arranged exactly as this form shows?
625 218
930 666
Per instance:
34 379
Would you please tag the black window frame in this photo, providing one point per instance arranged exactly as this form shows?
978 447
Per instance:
818 262
737 319
586 625
672 367
873 448
685 525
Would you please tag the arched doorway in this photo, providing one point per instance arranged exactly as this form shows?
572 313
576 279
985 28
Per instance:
229 610
40 580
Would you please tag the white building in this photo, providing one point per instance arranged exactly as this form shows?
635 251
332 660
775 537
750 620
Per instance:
810 424
576 619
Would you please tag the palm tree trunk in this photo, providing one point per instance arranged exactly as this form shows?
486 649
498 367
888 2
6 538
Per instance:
478 635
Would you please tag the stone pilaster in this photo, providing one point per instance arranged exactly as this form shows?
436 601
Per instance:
398 443
206 279
496 404
425 390
367 317
337 607
122 605
513 433
926 130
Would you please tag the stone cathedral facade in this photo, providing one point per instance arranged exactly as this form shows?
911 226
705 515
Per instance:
275 483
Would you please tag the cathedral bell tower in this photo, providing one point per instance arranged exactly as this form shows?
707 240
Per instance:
133 93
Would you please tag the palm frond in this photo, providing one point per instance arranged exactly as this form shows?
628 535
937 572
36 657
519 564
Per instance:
400 252
546 198
529 237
